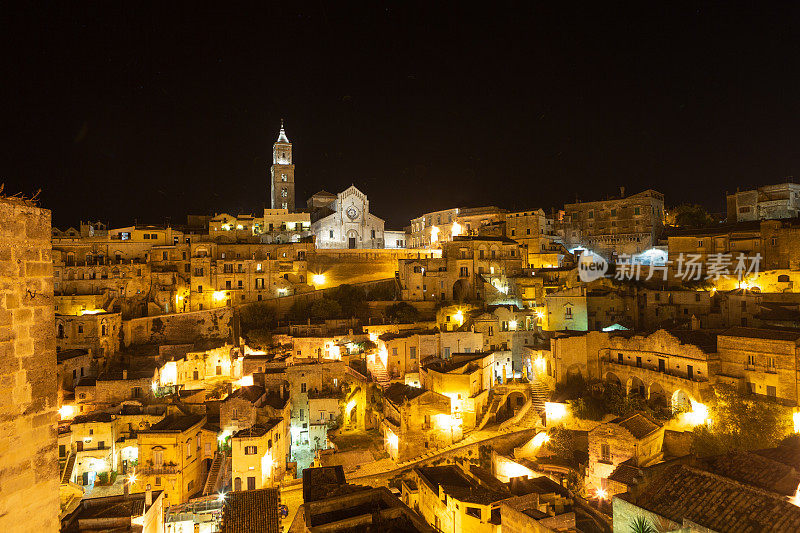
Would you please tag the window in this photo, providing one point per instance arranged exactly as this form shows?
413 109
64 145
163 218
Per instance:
620 358
80 328
158 482
771 391
464 272
637 211
394 351
447 351
605 453
474 512
101 444
567 312
331 234
302 388
412 352
373 233
251 450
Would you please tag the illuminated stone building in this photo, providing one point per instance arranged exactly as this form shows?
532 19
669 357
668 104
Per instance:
259 455
470 268
624 225
282 174
761 361
227 274
416 421
174 456
636 440
433 229
768 202
346 222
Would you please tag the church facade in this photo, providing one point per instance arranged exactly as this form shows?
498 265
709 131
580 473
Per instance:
345 222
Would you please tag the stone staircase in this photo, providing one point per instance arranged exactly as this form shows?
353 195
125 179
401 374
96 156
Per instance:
539 395
66 475
378 372
212 481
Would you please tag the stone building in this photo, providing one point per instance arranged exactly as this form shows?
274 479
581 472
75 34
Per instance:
452 501
98 333
624 225
678 366
761 361
466 379
28 450
470 268
637 440
416 421
174 456
433 229
282 174
346 222
768 202
259 454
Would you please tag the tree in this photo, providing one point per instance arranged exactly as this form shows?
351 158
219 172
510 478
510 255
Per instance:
692 216
325 309
741 422
351 299
256 316
402 313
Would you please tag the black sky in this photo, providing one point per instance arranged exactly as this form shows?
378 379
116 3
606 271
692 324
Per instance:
119 111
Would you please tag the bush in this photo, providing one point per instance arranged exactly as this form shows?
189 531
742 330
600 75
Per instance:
402 313
741 422
256 316
325 309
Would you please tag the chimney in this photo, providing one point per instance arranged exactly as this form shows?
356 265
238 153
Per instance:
125 374
148 497
622 192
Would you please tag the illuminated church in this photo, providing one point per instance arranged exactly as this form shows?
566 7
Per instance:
337 221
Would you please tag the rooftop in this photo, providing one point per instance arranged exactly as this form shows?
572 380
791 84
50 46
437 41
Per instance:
251 511
716 502
258 430
175 423
639 425
763 333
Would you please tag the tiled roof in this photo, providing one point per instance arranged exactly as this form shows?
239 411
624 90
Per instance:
251 511
626 473
397 393
717 503
176 423
258 430
763 333
755 469
639 424
93 417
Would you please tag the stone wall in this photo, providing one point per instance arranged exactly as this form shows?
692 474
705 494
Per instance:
179 328
29 476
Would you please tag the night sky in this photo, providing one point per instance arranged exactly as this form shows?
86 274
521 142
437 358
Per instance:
120 112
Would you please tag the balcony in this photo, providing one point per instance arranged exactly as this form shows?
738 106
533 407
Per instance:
159 470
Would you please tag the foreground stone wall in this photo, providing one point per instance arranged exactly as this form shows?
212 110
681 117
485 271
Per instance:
29 476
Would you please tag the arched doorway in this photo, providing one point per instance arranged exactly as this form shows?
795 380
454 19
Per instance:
613 379
461 290
681 401
237 484
636 386
656 392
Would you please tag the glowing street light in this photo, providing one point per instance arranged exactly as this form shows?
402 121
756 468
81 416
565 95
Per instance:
319 279
602 494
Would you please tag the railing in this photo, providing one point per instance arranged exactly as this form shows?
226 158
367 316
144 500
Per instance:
666 372
156 470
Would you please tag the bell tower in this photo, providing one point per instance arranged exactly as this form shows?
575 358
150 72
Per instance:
282 173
